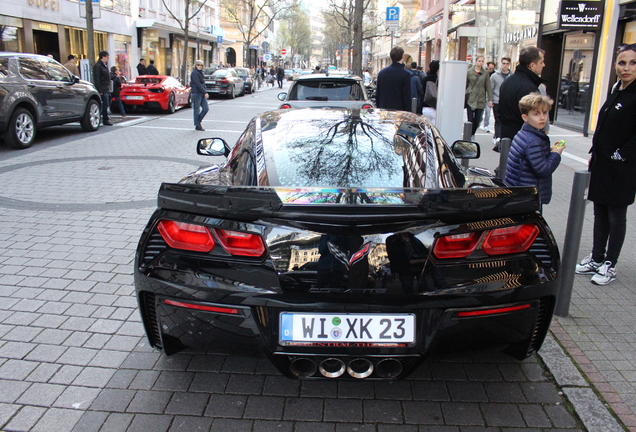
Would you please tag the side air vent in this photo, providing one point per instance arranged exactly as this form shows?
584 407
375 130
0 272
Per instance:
541 251
544 315
149 312
155 246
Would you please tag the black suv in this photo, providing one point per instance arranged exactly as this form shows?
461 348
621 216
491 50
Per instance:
36 92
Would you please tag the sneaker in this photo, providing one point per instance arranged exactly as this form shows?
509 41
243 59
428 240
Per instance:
107 123
588 266
605 274
199 128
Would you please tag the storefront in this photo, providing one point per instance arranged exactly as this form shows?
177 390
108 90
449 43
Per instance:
11 34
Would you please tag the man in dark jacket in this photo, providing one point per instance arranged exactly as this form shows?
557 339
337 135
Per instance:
141 67
524 81
151 69
199 95
394 84
101 79
280 76
114 77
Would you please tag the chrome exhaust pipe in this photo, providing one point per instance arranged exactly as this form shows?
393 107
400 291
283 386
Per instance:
332 368
360 368
303 367
388 368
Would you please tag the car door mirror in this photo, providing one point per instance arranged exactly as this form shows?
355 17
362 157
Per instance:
466 150
212 147
282 96
76 79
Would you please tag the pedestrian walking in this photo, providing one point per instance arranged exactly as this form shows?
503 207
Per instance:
151 69
496 80
393 86
114 77
280 76
429 100
490 67
71 66
478 92
416 85
101 79
199 95
532 159
141 67
524 81
612 164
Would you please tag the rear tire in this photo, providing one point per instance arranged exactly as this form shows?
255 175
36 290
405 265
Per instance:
92 116
171 104
189 104
21 131
233 93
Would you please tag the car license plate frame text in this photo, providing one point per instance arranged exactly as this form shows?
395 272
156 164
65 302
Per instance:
301 327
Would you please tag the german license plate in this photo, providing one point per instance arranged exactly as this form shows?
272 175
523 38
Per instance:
135 97
328 327
211 82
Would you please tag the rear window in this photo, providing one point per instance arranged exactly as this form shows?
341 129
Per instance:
220 73
241 72
327 91
147 80
352 153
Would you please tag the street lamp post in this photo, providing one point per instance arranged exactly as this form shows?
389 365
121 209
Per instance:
421 16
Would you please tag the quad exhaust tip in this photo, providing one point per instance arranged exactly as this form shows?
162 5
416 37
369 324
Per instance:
332 367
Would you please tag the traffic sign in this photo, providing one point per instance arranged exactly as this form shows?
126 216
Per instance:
392 14
267 57
469 57
283 52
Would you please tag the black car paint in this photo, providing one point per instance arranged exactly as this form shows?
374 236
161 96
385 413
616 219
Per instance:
290 222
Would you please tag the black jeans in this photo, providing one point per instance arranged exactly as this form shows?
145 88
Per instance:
609 230
495 112
474 116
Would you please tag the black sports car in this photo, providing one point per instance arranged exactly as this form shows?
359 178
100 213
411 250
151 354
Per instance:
413 253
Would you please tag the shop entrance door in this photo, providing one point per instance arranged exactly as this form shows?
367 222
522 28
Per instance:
46 43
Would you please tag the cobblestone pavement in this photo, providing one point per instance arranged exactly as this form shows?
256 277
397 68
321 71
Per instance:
73 356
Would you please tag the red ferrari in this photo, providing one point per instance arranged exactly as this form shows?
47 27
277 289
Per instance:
156 92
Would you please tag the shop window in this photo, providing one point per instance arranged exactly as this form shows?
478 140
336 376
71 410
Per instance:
10 39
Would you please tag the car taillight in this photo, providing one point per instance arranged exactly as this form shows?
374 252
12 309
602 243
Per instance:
457 245
285 106
241 243
510 240
180 235
222 81
367 106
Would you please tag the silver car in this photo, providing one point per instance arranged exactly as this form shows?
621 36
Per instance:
326 91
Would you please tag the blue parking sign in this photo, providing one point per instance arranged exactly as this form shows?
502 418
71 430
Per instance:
393 14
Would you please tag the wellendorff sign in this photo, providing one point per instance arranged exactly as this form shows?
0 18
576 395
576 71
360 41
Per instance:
581 14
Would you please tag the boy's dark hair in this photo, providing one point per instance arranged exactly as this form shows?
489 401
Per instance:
396 54
152 62
113 69
103 54
414 65
433 66
530 55
534 101
506 58
71 57
491 63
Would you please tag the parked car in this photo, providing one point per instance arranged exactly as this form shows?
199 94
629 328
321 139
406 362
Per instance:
244 74
326 91
474 263
225 82
35 92
161 92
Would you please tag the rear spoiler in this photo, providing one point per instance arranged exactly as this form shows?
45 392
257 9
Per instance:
346 205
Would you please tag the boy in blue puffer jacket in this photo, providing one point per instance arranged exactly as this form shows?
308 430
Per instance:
532 159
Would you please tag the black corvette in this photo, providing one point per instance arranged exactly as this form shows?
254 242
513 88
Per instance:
345 244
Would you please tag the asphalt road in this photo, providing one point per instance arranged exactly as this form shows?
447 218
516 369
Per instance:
73 356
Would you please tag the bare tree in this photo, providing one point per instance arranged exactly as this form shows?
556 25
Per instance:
195 6
295 32
253 17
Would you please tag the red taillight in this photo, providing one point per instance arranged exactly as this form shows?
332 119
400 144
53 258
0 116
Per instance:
497 311
285 106
367 106
202 307
186 236
457 245
512 239
223 81
241 243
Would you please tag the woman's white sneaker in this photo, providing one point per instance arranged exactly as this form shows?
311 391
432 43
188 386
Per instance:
588 266
605 274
